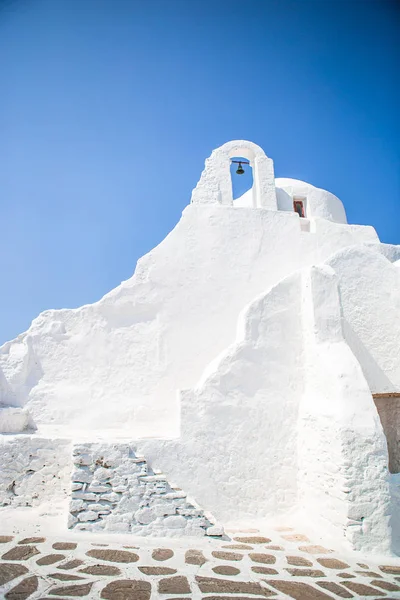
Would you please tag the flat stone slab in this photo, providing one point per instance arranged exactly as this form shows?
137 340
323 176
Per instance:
4 539
194 557
306 572
315 549
392 569
65 576
226 570
119 556
264 570
385 585
50 559
298 590
266 559
72 590
71 564
64 546
174 585
363 590
9 571
20 553
227 555
252 539
162 554
295 537
106 570
299 561
209 585
333 563
238 547
23 590
335 588
127 590
157 571
33 540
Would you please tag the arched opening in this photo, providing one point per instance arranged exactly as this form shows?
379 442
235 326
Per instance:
242 183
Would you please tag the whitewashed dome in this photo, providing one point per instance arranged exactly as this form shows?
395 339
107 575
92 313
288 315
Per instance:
317 202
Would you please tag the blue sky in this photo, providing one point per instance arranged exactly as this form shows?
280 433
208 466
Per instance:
108 109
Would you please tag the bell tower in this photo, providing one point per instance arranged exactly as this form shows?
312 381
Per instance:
215 184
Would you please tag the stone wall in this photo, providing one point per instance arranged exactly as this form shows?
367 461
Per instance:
115 490
33 470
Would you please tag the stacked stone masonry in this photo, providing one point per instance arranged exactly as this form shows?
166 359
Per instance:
115 490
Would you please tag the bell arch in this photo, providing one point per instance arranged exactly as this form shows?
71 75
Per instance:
215 185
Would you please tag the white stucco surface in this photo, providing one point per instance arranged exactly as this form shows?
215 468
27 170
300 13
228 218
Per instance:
240 359
117 364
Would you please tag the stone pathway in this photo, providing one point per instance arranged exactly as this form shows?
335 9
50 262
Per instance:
245 566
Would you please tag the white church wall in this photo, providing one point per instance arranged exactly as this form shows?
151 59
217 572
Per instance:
343 474
256 382
115 365
276 358
370 298
34 470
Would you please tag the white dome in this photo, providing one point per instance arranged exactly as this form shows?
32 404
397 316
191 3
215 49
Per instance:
317 202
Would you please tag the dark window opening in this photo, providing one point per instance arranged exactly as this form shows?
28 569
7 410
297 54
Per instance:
298 206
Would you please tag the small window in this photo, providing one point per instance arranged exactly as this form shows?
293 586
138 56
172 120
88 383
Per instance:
298 206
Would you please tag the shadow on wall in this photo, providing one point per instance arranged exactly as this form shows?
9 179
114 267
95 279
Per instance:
241 182
376 378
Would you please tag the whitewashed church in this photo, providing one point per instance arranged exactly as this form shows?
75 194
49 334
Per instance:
249 368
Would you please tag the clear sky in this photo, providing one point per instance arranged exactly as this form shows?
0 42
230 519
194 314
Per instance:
108 109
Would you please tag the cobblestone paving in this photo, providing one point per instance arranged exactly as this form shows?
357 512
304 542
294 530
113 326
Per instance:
247 566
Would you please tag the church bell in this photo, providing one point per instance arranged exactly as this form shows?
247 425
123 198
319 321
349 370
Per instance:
239 170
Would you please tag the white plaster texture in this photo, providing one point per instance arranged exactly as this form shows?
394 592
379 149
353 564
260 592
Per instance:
284 420
253 386
370 299
342 448
277 328
33 470
116 365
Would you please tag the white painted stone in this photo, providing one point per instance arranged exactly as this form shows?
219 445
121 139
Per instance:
15 420
103 474
98 488
88 515
83 459
175 522
77 505
145 516
81 476
164 509
72 520
85 496
215 530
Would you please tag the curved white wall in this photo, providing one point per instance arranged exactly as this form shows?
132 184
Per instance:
318 202
116 365
370 297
